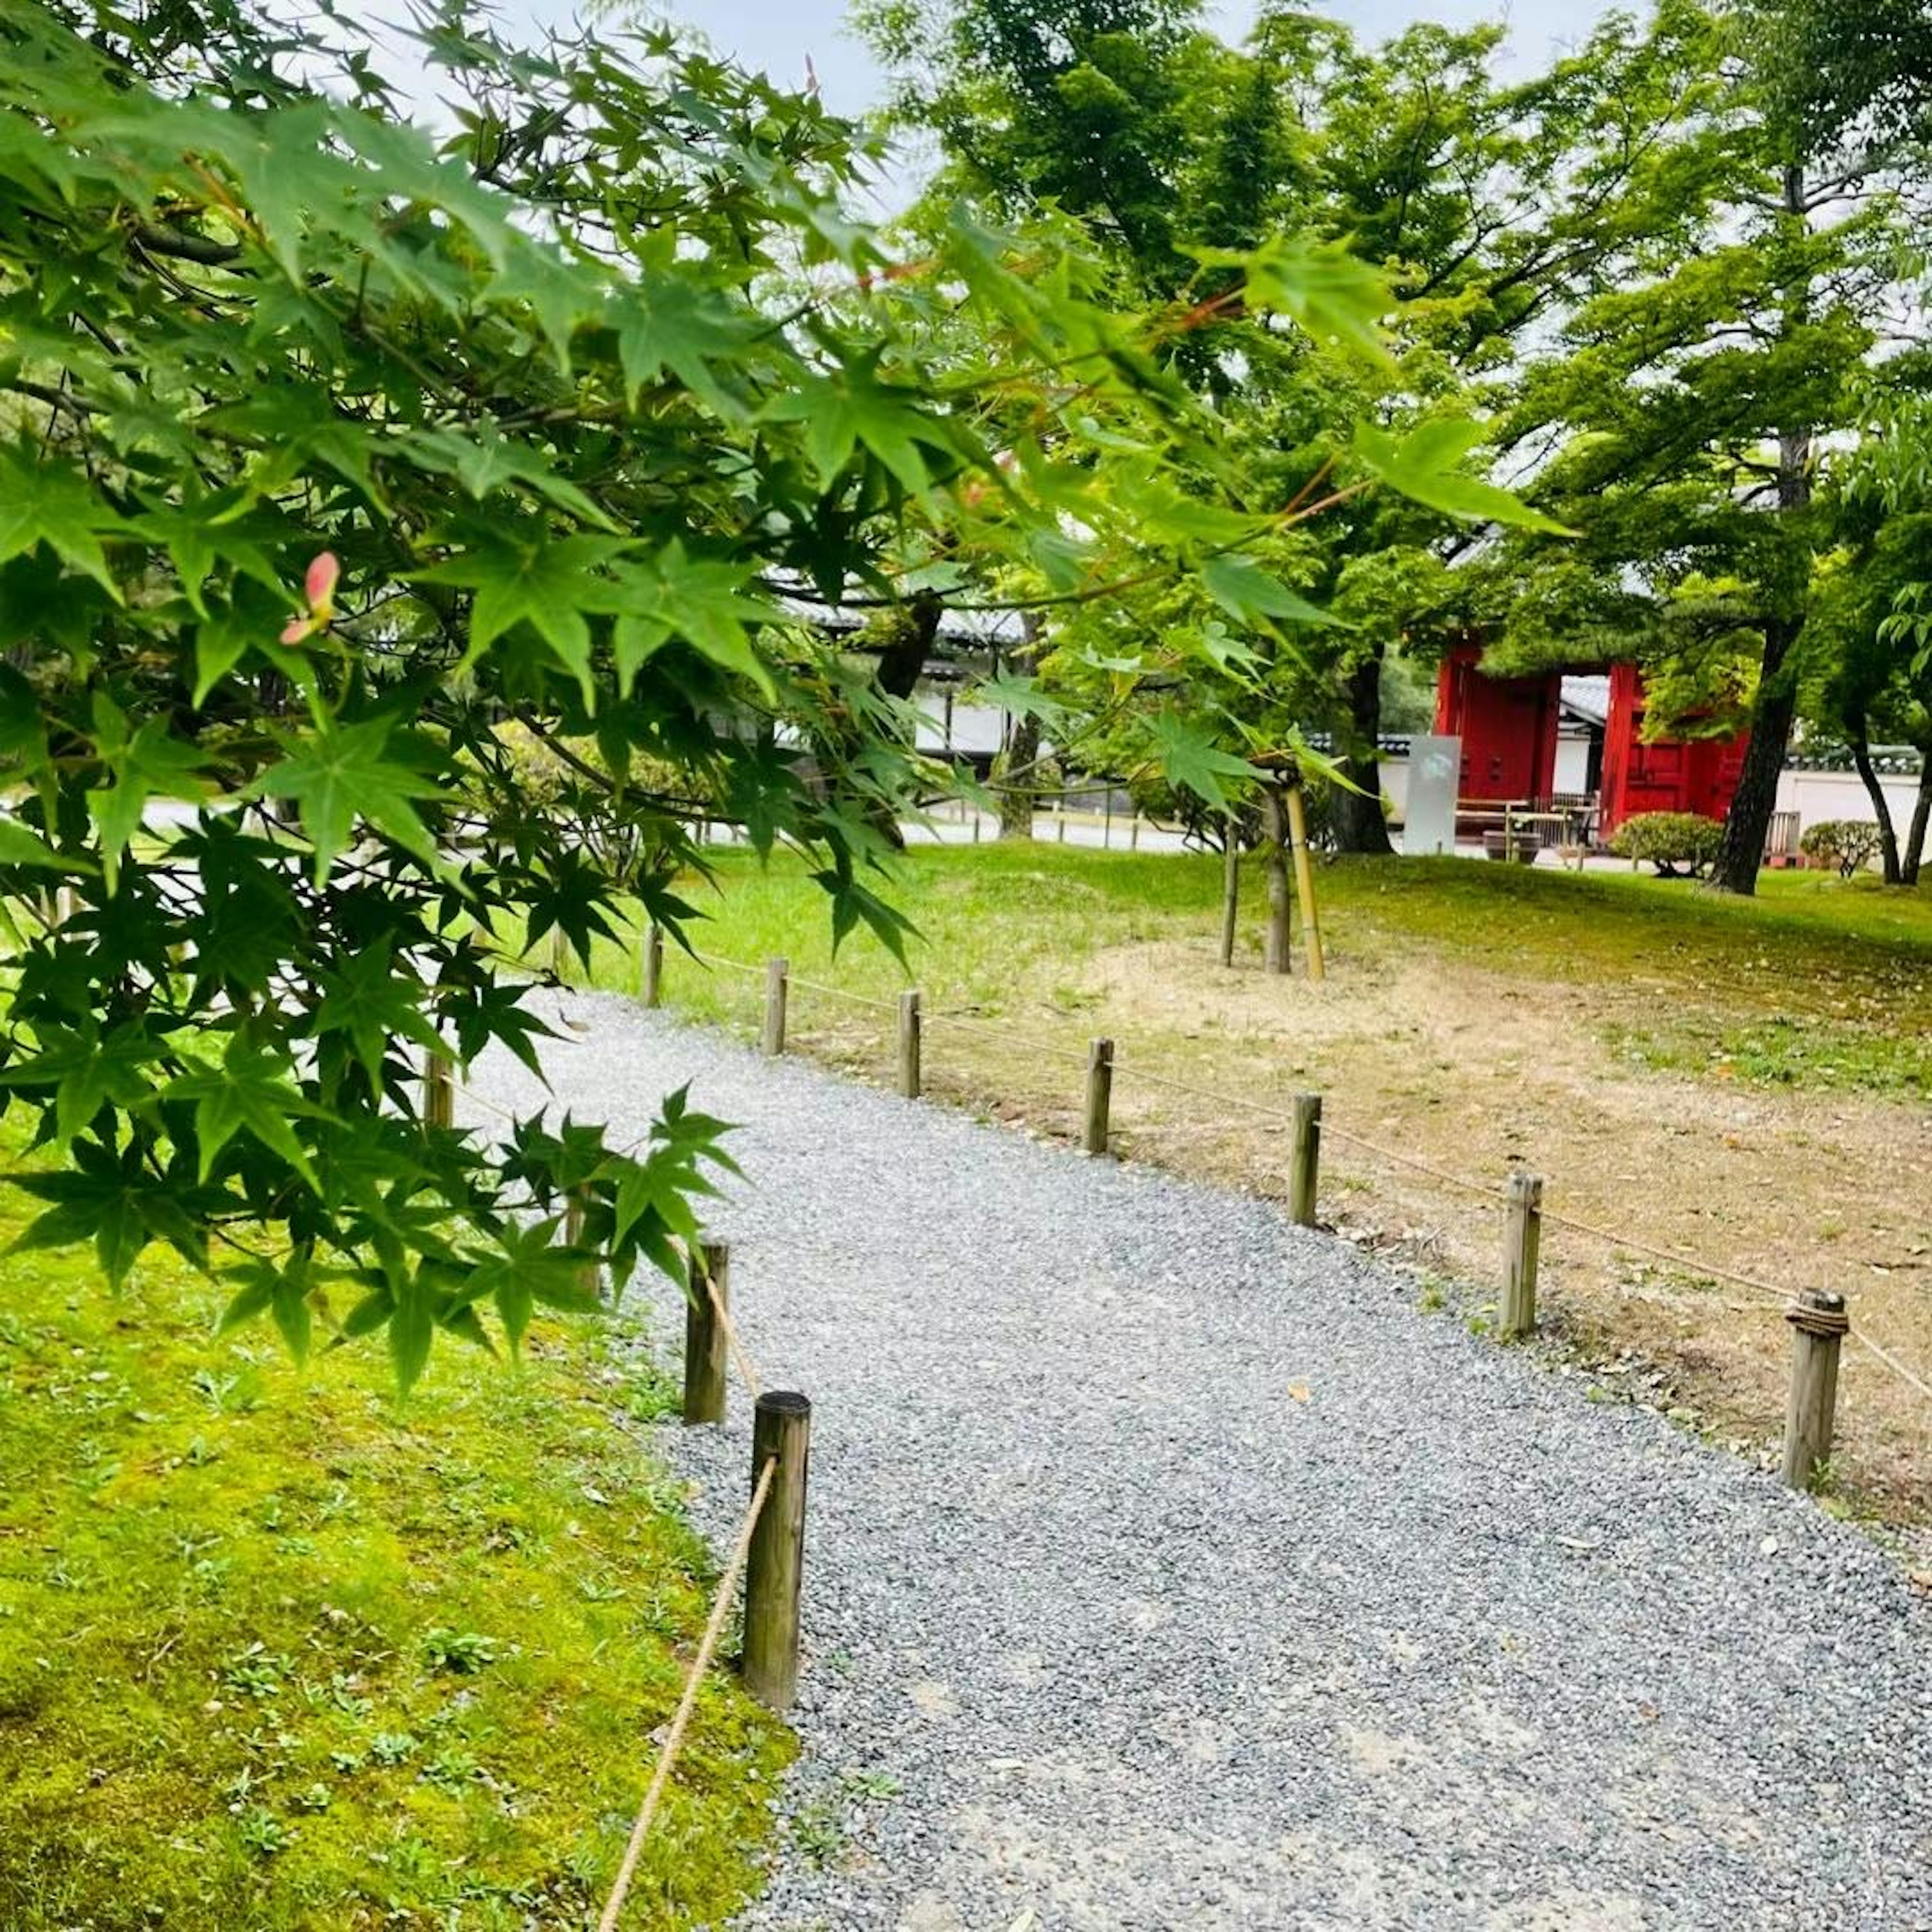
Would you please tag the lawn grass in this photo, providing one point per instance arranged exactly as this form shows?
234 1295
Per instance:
1816 981
276 1653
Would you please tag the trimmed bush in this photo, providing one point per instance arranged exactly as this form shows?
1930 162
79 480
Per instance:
1849 844
1680 845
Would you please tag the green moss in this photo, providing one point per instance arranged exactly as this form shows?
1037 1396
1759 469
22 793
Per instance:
274 1653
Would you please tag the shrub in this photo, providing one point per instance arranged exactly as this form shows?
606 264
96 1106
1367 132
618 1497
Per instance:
1680 845
1849 844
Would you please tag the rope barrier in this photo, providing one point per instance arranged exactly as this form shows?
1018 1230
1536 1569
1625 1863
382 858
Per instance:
1026 1040
673 1741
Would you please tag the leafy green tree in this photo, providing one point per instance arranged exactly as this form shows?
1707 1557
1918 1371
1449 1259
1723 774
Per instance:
1687 403
1488 207
327 449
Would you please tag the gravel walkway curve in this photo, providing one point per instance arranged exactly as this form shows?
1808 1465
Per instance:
1167 1568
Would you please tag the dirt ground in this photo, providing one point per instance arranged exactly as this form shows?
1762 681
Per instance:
1475 1073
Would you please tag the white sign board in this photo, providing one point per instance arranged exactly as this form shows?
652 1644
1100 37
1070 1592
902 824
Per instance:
1434 777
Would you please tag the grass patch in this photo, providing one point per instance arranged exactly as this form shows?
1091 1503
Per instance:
276 1653
1815 982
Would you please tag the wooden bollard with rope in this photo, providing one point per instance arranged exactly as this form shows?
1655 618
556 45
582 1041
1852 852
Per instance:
1522 1241
775 1568
1305 1160
706 1332
910 1071
653 987
1099 1095
777 973
1819 1324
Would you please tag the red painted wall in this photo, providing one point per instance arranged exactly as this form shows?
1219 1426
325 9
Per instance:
1696 775
1507 726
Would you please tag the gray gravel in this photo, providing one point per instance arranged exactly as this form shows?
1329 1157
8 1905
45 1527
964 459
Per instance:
1167 1567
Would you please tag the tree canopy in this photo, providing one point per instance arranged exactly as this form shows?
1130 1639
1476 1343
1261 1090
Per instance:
345 464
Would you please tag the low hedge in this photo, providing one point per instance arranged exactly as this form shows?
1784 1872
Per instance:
1680 845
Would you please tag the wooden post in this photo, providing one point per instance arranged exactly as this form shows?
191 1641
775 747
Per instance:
975 825
653 965
1107 820
1522 1241
1061 815
1099 1095
706 1353
1819 1325
1231 889
909 1043
1304 883
1305 1160
1275 957
1134 832
439 1094
775 1567
777 978
591 1275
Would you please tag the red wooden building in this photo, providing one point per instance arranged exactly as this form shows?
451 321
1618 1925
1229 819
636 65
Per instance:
1508 726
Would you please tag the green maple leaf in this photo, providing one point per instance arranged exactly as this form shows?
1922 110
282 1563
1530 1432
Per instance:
1190 759
283 1291
1423 467
20 847
1249 594
705 601
365 999
1334 295
153 764
250 1090
42 501
548 584
671 321
86 1071
343 773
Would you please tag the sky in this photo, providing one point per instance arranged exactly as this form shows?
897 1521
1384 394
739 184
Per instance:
778 35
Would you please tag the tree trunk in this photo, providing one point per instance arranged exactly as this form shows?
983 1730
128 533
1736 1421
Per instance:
1280 900
1921 814
903 654
1875 791
1020 752
1230 885
1356 816
1742 853
1018 797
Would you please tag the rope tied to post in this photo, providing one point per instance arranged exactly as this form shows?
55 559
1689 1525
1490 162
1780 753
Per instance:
694 1681
1819 1314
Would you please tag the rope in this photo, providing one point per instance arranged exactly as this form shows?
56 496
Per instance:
1441 1174
1892 1361
741 1359
1006 1033
1770 1297
674 1738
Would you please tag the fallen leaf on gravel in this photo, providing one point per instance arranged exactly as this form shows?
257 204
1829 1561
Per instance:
1922 1578
1299 1390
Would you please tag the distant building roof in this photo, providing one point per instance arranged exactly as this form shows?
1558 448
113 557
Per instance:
1587 699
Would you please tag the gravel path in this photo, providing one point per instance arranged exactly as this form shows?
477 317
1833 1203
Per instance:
1167 1568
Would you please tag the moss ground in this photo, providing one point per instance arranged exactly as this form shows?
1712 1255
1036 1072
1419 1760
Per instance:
275 1653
